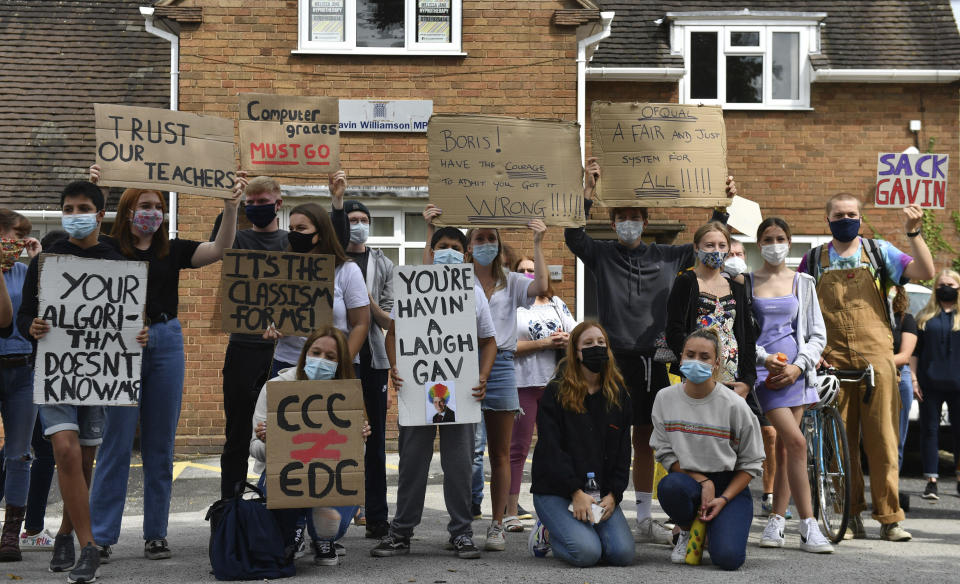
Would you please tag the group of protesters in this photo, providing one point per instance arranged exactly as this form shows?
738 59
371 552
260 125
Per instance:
746 347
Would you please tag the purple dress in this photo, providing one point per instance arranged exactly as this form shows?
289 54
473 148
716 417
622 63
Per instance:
777 318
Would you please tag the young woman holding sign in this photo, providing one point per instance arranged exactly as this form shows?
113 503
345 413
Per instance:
325 355
505 291
139 233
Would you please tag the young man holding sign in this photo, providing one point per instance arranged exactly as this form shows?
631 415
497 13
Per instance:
75 431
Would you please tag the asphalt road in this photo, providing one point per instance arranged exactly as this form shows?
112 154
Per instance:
932 556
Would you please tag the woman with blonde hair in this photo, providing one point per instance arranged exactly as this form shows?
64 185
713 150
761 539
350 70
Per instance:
581 464
935 363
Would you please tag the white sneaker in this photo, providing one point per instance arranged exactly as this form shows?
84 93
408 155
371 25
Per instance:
495 539
812 539
650 531
42 541
773 533
679 553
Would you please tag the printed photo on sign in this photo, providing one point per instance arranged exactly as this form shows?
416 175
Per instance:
95 311
441 402
912 179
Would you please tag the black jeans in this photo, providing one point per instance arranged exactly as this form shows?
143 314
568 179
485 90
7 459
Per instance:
245 370
374 382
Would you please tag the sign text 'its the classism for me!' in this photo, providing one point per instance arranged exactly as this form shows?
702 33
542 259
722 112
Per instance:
660 155
493 171
151 148
435 324
314 443
293 291
289 134
91 356
912 179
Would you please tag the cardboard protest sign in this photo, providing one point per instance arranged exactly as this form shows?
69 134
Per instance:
492 171
314 443
294 291
660 155
150 148
94 307
436 335
289 134
912 179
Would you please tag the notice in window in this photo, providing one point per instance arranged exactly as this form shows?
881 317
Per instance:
503 172
660 155
912 179
326 21
434 18
289 134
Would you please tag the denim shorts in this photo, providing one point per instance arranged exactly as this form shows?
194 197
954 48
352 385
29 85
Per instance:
87 421
502 385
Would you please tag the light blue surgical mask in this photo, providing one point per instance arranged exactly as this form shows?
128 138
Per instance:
696 371
629 231
712 259
485 253
359 232
79 226
447 256
318 368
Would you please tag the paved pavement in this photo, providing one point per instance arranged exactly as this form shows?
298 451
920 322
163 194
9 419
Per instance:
932 556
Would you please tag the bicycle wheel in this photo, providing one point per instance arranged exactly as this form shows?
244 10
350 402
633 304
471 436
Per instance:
834 487
813 463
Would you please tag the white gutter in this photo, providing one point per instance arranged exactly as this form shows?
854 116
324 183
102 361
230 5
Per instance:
885 75
635 73
174 40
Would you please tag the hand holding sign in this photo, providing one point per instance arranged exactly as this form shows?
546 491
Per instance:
905 179
912 218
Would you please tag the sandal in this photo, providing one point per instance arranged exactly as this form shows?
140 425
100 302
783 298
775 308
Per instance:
512 524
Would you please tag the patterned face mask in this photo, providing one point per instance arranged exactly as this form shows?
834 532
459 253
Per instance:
12 248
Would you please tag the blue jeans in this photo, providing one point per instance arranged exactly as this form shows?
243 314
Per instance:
679 496
580 544
502 393
930 409
160 396
479 446
906 400
289 519
19 414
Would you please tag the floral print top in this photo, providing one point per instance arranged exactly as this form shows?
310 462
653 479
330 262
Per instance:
720 314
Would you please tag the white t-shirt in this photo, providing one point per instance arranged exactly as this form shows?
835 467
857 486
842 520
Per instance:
349 291
537 322
503 309
485 328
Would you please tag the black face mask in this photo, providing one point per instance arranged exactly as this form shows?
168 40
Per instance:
594 358
946 293
261 215
301 242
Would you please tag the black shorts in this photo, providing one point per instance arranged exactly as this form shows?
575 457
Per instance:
644 378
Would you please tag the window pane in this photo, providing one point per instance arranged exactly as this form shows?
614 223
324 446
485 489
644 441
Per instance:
413 256
744 79
392 253
786 65
380 23
703 65
744 38
434 19
381 226
414 227
326 21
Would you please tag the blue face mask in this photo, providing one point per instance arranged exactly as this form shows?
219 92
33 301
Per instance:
318 368
712 259
359 232
485 253
845 230
79 226
629 231
447 256
696 371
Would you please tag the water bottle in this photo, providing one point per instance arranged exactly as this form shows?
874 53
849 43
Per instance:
592 488
698 534
781 357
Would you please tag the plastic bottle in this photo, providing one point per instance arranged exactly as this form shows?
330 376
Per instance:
698 533
780 357
592 488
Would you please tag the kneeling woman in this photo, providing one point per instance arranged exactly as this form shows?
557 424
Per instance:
325 355
583 426
709 440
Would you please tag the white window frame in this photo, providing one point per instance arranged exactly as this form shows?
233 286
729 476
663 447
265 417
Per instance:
349 45
792 261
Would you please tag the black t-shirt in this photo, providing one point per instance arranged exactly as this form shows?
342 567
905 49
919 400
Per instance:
361 259
905 323
163 274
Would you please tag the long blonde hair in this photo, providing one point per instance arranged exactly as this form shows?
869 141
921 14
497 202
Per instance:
573 387
933 309
496 266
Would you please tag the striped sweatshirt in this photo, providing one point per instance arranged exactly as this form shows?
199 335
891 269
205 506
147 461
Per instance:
712 434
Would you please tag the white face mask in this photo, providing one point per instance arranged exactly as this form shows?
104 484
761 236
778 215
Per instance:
734 266
629 231
775 253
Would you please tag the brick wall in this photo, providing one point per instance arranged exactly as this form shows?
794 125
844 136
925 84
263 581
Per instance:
518 64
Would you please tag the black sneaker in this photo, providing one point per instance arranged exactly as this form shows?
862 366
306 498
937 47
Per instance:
324 554
475 510
391 545
64 555
930 491
88 566
341 551
523 513
156 549
465 548
105 553
377 529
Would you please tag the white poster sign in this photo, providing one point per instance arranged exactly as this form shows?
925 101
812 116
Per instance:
372 115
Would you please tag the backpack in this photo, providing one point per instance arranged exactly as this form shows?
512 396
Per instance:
245 540
880 274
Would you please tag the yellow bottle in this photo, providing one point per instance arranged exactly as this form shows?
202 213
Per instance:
698 534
